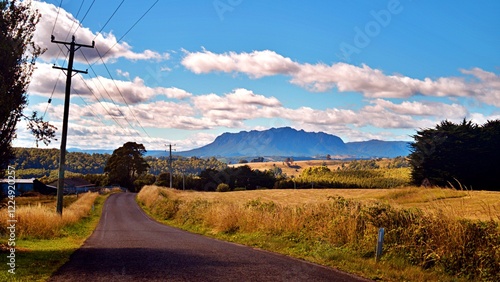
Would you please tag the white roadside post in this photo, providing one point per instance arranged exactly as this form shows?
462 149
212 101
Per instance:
380 243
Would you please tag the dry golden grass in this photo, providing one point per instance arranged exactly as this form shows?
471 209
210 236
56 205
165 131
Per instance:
41 221
434 235
296 168
483 205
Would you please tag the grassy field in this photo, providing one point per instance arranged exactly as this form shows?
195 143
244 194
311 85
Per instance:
296 168
45 240
431 234
483 205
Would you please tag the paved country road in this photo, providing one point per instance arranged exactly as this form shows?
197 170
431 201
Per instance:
129 246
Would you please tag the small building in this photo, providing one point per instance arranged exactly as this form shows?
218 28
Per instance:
74 185
22 186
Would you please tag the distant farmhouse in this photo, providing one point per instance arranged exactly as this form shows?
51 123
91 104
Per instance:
74 185
26 185
71 186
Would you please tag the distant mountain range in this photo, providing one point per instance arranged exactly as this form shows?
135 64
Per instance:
285 142
289 142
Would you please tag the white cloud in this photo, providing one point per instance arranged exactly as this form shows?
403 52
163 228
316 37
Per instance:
105 43
373 83
106 125
125 74
241 104
256 64
45 78
414 108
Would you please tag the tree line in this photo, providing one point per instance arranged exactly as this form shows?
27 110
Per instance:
38 162
459 155
462 154
128 167
48 159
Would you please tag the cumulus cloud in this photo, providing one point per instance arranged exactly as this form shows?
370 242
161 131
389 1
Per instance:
105 121
106 44
373 83
415 108
241 104
256 64
47 80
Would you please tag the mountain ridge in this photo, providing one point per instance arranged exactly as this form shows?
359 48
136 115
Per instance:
289 142
284 142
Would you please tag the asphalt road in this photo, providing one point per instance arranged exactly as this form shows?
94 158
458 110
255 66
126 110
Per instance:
129 246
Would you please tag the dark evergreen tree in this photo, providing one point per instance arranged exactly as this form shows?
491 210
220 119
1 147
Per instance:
18 53
126 165
457 154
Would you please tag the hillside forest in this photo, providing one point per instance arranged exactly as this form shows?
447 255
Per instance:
449 155
206 174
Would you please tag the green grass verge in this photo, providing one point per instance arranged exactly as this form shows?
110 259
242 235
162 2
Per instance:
37 260
387 269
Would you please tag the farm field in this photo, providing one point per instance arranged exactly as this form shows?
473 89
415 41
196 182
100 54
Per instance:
483 205
296 168
432 234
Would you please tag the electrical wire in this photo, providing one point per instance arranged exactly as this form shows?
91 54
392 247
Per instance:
57 16
109 19
102 59
51 95
102 105
121 94
109 95
89 107
125 34
84 16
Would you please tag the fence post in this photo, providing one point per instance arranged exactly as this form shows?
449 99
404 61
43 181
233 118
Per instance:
380 243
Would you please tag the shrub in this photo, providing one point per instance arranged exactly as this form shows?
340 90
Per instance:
222 187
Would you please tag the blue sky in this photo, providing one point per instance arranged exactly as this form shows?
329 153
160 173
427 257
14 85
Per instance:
190 70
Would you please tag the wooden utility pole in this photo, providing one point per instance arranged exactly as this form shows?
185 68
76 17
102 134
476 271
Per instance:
170 163
69 73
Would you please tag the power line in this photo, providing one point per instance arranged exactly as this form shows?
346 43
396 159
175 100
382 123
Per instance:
69 32
52 94
84 16
102 105
57 16
121 94
76 18
105 89
101 58
112 100
109 19
118 41
89 107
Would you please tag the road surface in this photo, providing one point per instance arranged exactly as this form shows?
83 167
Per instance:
129 246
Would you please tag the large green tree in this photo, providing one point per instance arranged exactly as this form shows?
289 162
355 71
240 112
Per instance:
18 53
458 154
126 165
